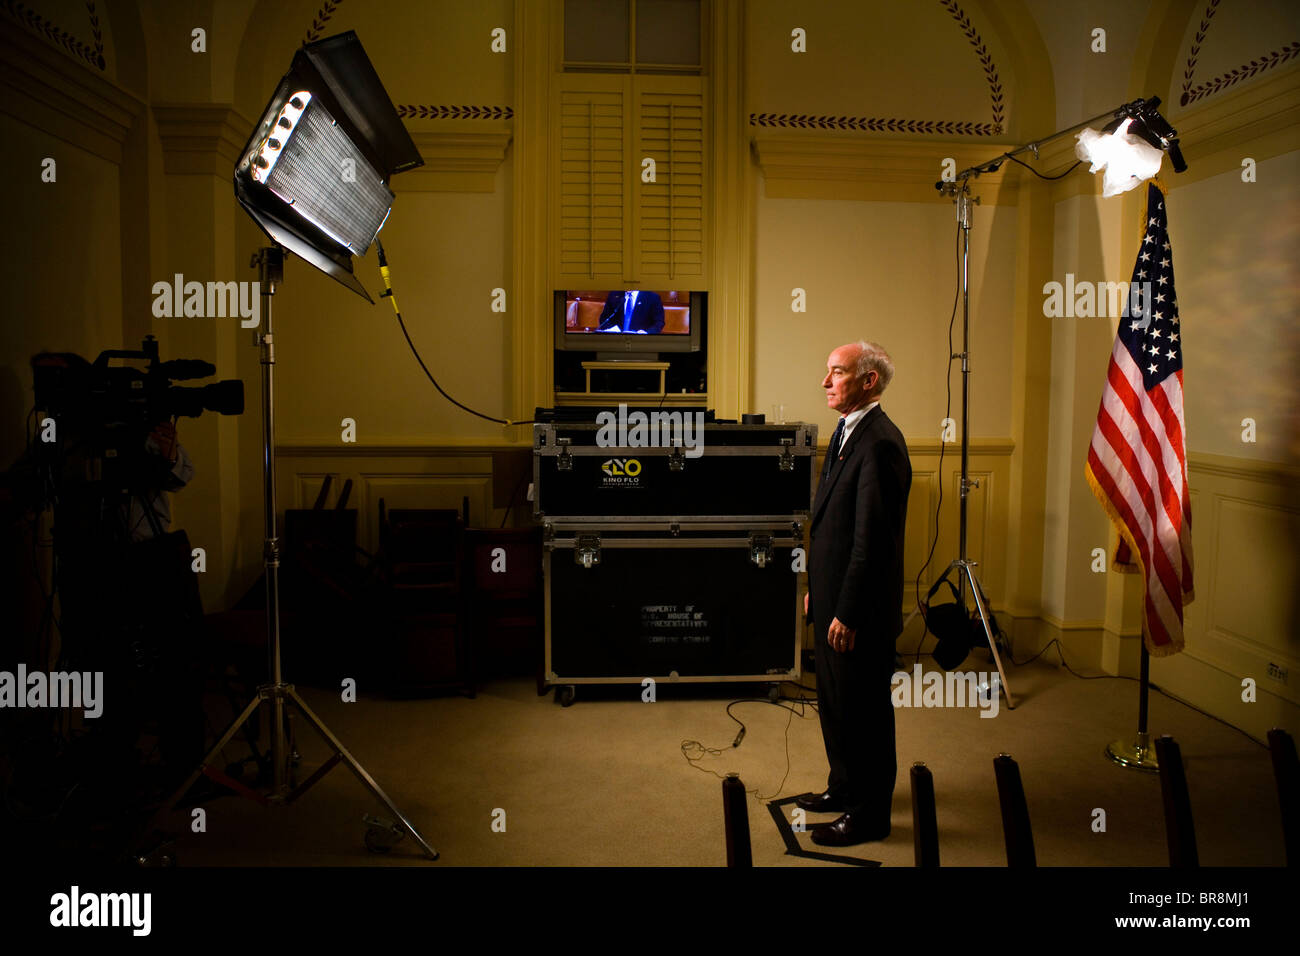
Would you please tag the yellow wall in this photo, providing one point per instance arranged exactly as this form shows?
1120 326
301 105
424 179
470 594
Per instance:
64 282
888 60
886 272
1237 260
344 358
1087 242
1246 347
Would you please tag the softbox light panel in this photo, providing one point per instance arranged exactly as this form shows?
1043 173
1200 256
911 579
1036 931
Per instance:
310 164
314 174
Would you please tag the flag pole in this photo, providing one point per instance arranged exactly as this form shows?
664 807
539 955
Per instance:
1139 754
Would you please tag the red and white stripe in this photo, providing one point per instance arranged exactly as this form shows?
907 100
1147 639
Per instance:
1138 461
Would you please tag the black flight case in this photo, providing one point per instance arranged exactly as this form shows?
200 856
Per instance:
672 562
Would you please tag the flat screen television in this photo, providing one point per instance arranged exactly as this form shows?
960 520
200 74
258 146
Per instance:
629 321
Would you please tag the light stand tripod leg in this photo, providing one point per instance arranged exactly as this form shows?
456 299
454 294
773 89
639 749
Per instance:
341 752
310 782
988 632
184 788
277 693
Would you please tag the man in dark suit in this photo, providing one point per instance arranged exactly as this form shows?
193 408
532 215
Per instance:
855 579
632 311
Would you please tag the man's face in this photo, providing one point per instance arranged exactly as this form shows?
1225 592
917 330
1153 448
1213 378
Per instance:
845 392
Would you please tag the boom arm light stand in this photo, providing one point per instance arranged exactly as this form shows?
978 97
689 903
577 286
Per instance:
1144 121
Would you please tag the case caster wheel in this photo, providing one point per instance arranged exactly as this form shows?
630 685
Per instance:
162 855
381 835
564 694
774 692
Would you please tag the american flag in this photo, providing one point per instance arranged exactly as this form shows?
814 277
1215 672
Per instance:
1137 463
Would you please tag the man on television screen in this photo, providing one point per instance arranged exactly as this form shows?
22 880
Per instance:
632 311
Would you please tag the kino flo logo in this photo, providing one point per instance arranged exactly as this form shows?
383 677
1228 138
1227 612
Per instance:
621 472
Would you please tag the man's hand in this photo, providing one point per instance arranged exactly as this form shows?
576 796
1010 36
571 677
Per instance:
164 436
840 637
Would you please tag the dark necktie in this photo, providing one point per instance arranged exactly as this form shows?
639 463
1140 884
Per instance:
629 303
833 451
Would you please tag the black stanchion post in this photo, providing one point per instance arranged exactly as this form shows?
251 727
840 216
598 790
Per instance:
925 824
1179 830
1016 830
1286 771
735 815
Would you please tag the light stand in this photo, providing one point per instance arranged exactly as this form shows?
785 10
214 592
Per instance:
270 263
1146 123
963 566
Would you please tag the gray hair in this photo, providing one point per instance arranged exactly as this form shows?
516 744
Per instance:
874 357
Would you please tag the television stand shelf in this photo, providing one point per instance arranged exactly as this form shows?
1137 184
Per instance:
660 396
604 399
633 366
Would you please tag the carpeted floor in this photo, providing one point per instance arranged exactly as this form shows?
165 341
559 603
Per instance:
513 779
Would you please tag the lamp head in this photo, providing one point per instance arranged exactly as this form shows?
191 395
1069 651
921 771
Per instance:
1131 147
314 174
1152 128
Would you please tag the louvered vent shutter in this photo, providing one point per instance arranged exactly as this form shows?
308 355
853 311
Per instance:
670 211
593 183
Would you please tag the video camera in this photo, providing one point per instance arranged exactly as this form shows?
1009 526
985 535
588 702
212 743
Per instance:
71 389
104 412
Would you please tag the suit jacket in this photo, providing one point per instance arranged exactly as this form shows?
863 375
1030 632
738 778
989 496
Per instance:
856 567
647 314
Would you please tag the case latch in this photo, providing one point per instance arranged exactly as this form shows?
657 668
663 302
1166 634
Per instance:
564 462
786 461
677 460
586 551
760 549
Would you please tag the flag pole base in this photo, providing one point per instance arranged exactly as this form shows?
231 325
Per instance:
1138 755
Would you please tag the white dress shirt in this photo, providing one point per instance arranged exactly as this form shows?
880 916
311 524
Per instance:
851 420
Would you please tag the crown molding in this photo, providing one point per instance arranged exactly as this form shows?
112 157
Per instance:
456 161
50 91
201 138
828 166
1260 120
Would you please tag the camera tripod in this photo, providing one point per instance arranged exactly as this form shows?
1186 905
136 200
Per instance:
277 694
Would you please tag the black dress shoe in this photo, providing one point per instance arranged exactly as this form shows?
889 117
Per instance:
848 830
820 803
